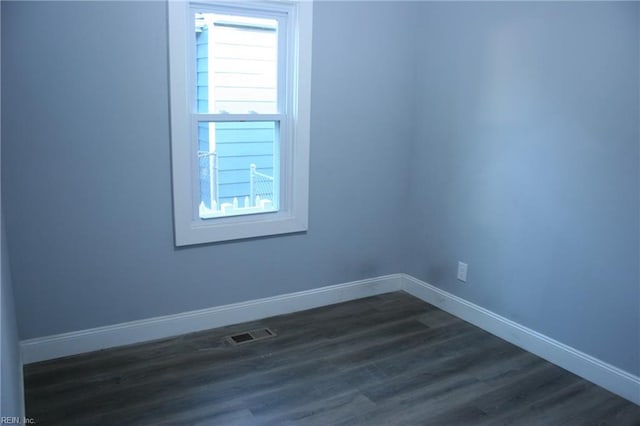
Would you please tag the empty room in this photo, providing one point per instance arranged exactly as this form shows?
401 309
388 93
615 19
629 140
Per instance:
320 213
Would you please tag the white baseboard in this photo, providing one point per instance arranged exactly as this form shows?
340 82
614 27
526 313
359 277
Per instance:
56 346
599 372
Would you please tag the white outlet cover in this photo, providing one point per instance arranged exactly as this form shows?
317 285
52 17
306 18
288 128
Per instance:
462 271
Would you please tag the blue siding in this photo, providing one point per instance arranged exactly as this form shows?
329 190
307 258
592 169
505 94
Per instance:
240 175
238 146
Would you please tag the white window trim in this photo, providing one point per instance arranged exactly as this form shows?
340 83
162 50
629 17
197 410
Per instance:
293 213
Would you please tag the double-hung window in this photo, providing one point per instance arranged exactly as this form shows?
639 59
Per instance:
240 101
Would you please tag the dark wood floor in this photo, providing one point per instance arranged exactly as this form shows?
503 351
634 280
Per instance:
384 360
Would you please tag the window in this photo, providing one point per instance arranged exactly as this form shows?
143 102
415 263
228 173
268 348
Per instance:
240 101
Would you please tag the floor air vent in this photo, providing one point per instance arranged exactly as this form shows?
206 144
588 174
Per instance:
250 336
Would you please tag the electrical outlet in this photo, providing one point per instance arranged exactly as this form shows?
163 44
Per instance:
462 272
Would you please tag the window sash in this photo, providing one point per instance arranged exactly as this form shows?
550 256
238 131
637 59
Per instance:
201 117
283 168
279 13
285 61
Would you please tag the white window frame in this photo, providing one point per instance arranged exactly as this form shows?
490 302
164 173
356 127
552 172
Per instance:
292 215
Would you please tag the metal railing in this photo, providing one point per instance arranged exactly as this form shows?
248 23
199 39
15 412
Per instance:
260 186
261 196
212 158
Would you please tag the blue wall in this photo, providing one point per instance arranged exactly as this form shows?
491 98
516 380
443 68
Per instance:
501 134
86 167
10 388
526 166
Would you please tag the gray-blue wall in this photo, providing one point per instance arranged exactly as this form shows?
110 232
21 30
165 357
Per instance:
526 166
10 389
501 134
86 171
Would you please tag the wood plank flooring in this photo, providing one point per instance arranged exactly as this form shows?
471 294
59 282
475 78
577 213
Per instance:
385 360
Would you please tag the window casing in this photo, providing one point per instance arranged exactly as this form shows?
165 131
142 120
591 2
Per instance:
230 104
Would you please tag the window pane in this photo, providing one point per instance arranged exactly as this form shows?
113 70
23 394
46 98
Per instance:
238 168
236 64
